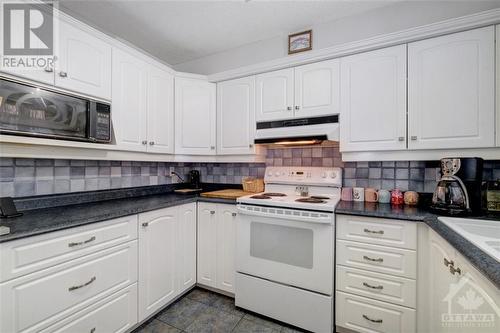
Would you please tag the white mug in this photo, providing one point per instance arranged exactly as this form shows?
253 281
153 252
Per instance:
358 194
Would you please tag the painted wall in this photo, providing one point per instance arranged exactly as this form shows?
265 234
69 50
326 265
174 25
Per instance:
380 21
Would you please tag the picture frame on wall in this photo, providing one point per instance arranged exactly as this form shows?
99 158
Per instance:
300 42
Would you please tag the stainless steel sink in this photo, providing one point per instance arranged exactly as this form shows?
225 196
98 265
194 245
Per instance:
485 234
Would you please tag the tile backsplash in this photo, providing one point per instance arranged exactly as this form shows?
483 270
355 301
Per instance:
26 177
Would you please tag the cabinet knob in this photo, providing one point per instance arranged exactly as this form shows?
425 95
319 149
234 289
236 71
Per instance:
212 147
448 262
144 142
212 212
145 224
250 145
151 143
454 270
234 214
414 137
48 69
289 108
63 74
297 107
401 138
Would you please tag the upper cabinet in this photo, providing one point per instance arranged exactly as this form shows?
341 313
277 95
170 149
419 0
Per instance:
305 91
373 98
236 116
84 62
274 95
498 84
194 116
451 91
317 89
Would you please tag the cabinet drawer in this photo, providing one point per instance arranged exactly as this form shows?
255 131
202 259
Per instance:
383 287
33 301
383 259
377 231
116 313
35 253
361 314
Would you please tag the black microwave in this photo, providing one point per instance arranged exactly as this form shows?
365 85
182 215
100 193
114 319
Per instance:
30 110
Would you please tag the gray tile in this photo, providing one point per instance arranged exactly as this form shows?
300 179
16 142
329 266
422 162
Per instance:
226 304
402 173
402 164
429 186
417 174
24 162
306 152
362 164
262 321
91 163
430 174
24 172
44 187
104 183
296 152
157 326
61 163
116 163
248 326
417 164
375 183
374 164
388 184
349 183
104 171
327 162
202 296
182 313
7 173
415 185
77 163
6 189
90 184
350 173
362 172
402 185
6 161
77 185
76 172
62 172
362 182
388 164
44 172
328 152
375 173
24 188
61 186
116 182
387 173
104 163
91 172
44 162
213 321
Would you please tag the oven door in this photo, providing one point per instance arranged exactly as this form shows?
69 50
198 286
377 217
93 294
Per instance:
287 246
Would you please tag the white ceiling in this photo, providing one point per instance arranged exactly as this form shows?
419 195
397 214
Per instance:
180 31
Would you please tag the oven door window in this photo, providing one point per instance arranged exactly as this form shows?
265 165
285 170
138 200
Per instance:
287 245
39 112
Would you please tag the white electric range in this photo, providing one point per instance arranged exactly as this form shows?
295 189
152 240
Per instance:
285 246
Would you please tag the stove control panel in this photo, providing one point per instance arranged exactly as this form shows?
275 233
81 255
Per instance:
304 175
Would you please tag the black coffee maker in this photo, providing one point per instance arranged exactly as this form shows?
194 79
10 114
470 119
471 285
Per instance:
459 190
194 179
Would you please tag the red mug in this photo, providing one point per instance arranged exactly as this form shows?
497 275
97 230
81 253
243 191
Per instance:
397 197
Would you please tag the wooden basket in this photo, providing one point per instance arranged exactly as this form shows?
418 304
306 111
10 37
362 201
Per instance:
251 184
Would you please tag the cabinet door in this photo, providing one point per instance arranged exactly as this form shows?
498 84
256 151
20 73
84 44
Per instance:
317 89
128 110
194 117
84 63
373 99
187 247
274 95
206 244
451 82
236 116
157 269
439 281
226 247
160 106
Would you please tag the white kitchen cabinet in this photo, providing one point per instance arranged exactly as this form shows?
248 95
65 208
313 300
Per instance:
451 91
186 248
207 238
45 75
226 247
498 83
157 253
216 245
195 113
236 116
317 89
274 95
373 95
129 112
160 111
84 62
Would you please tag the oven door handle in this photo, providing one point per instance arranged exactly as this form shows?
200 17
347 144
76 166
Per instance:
286 214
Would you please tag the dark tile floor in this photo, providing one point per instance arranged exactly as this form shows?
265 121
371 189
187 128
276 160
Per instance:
202 311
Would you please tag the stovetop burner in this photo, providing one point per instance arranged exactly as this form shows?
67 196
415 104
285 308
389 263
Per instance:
310 200
260 196
320 197
274 194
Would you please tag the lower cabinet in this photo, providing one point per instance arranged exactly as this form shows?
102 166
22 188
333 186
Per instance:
216 245
163 271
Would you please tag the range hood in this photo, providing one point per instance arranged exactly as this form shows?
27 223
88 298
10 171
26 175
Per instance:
298 130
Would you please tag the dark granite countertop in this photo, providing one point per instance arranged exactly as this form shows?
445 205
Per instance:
42 220
485 263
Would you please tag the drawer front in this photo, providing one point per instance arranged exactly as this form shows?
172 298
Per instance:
35 253
377 231
39 299
383 259
362 314
114 314
388 288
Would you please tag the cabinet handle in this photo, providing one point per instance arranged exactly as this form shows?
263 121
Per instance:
289 108
297 107
49 69
144 142
73 244
250 145
372 320
454 270
63 74
372 259
380 232
92 330
414 137
373 287
82 285
145 224
151 143
401 138
212 147
212 212
448 262
234 214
